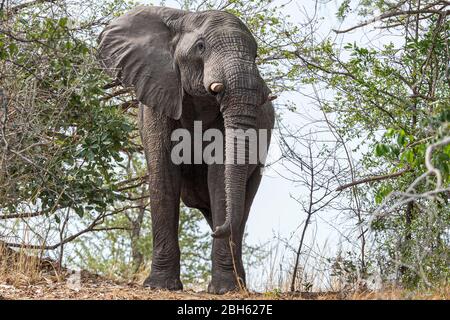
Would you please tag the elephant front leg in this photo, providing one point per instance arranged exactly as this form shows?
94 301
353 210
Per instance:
165 188
165 269
228 272
227 268
165 208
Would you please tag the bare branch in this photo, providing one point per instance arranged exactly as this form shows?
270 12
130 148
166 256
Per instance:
25 5
22 215
131 180
428 163
112 84
90 228
373 178
116 93
392 14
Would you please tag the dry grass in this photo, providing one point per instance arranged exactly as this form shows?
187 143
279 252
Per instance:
25 277
96 288
20 268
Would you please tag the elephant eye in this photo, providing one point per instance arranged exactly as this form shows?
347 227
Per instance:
201 46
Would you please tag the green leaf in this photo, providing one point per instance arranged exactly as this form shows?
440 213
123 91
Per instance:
12 48
401 138
381 149
79 211
408 156
63 22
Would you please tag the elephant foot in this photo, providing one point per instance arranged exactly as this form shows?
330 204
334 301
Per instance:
222 285
157 282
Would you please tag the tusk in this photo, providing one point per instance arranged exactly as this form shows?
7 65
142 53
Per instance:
272 97
216 87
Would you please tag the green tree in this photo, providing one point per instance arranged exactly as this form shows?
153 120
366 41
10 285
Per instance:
72 172
400 90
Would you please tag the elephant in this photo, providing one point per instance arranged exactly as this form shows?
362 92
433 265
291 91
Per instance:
185 67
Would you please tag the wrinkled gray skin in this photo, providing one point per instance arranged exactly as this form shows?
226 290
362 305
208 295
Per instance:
172 57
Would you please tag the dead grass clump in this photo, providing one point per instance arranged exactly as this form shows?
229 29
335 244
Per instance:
22 268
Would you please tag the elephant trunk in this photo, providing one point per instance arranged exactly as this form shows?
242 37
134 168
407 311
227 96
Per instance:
238 119
244 92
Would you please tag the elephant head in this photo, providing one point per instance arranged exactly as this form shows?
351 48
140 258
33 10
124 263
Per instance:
165 53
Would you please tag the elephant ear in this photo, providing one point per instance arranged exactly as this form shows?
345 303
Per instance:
135 48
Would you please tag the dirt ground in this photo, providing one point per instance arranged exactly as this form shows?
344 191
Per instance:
24 277
97 288
89 287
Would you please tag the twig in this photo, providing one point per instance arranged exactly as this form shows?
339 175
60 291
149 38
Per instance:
308 218
373 178
391 14
22 215
428 163
143 178
91 228
115 94
113 84
25 5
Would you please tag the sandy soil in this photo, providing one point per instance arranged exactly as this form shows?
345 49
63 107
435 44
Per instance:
22 277
94 288
97 288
